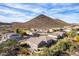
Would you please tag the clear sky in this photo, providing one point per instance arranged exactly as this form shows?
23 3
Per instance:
22 12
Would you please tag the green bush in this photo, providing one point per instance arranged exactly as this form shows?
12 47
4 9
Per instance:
43 52
72 33
11 42
24 52
7 45
5 28
62 46
18 30
13 48
77 38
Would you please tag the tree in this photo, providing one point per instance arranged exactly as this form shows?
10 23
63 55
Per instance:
18 30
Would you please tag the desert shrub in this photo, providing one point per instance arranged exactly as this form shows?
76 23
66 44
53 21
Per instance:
13 48
24 52
8 43
18 30
18 50
72 49
2 46
77 38
72 33
11 42
5 28
61 47
24 34
25 45
43 52
6 46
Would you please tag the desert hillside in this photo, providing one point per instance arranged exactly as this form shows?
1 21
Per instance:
41 21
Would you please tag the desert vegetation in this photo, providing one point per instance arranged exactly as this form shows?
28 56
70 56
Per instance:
64 47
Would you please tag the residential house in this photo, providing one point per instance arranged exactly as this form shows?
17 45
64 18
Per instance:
37 42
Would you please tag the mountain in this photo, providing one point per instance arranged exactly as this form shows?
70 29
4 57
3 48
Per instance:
41 21
1 23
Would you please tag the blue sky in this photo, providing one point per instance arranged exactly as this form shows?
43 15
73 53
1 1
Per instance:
22 12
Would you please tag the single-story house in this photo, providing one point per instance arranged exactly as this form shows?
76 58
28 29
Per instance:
37 42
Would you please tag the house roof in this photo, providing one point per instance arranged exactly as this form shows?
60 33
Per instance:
37 40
